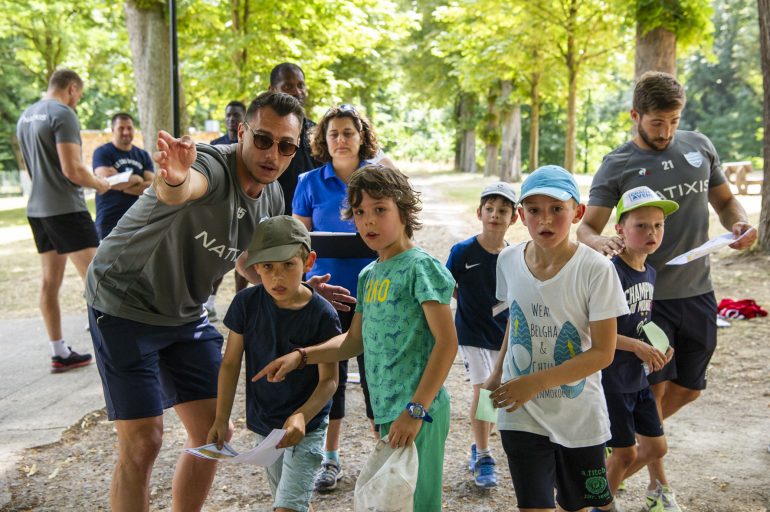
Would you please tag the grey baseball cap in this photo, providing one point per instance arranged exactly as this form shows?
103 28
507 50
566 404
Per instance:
500 188
277 239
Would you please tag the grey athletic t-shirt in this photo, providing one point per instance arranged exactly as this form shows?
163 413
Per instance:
684 172
159 263
40 128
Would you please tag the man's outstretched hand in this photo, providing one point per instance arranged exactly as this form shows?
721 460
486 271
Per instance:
174 158
339 297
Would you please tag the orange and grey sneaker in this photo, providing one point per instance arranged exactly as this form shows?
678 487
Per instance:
74 360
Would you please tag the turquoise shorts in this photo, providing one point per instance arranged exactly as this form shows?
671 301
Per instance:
291 477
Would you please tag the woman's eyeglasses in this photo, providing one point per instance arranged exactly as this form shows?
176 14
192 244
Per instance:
264 142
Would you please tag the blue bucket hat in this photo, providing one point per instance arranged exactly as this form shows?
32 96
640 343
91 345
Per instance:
552 181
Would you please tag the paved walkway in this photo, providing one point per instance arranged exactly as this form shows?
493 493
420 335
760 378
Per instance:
37 406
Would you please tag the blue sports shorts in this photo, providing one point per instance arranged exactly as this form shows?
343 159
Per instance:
148 368
631 414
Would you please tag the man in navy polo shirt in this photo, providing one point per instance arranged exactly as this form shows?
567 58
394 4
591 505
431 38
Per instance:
116 157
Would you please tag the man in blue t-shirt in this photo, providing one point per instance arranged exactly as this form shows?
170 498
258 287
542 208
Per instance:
116 157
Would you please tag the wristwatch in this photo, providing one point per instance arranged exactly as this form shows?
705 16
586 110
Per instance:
417 411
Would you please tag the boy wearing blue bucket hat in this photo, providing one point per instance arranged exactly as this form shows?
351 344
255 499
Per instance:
564 299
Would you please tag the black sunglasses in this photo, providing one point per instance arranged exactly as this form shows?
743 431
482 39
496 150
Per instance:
264 142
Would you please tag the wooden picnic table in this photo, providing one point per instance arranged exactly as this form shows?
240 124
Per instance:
739 174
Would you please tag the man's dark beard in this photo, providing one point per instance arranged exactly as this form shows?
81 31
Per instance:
647 140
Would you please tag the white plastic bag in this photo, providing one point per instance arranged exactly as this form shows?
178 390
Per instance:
387 480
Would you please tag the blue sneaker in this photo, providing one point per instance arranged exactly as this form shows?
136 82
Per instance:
485 475
472 460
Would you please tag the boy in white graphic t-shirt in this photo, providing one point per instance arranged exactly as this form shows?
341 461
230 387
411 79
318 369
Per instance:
563 299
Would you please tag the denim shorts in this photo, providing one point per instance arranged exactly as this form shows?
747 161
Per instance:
148 368
291 477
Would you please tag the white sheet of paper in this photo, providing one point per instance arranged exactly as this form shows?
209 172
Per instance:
712 245
121 177
265 453
210 451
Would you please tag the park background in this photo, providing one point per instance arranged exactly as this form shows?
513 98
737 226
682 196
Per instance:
489 85
461 93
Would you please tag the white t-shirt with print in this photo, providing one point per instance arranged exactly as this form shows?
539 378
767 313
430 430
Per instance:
549 324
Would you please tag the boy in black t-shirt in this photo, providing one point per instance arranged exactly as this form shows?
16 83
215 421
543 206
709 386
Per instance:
267 321
630 403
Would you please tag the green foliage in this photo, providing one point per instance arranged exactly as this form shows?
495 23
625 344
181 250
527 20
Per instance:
405 62
690 20
725 91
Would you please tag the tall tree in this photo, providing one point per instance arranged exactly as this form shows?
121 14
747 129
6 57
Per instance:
150 48
586 31
763 7
660 25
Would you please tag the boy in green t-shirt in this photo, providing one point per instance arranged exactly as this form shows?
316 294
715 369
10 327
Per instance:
402 323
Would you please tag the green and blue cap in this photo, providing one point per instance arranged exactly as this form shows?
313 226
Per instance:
643 196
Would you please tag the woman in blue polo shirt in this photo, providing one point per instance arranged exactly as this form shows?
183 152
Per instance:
344 140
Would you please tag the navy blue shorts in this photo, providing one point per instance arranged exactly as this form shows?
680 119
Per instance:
148 368
69 232
691 326
631 414
538 465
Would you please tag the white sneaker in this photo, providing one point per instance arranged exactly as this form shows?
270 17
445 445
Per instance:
668 499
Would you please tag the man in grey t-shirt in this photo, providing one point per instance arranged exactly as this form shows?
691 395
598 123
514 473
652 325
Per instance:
682 166
49 136
154 345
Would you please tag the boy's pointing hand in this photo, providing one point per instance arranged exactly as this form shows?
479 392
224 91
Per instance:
276 370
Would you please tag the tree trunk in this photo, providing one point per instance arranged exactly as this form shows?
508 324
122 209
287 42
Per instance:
655 51
510 156
466 128
148 34
534 122
764 35
572 73
239 15
491 133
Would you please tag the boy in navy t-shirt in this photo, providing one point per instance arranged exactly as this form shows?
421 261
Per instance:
281 315
630 403
480 332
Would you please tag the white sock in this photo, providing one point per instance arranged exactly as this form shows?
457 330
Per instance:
60 348
211 301
483 453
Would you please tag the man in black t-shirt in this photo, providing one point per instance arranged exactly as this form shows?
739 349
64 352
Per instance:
289 78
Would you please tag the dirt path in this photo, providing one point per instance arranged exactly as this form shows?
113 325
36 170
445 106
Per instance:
718 458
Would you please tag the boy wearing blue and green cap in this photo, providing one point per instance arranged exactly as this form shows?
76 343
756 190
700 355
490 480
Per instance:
563 299
635 419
